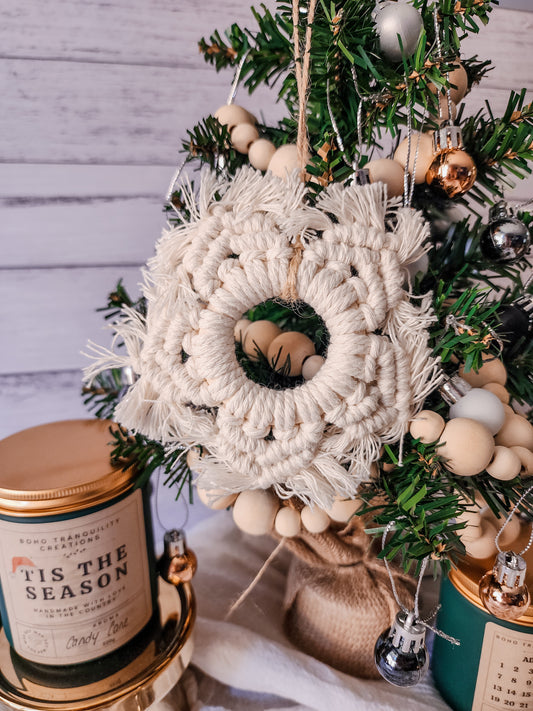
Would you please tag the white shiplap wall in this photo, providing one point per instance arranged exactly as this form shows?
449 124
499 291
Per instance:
95 99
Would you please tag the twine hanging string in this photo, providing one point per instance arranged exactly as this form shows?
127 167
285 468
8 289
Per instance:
507 520
416 602
302 61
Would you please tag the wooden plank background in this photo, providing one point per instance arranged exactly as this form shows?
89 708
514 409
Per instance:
95 98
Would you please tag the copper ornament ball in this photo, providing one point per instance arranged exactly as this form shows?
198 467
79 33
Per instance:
453 171
501 601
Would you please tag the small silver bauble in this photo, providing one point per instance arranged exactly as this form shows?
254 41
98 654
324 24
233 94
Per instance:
400 653
506 239
398 18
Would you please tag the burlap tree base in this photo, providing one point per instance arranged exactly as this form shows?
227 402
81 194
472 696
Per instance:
339 599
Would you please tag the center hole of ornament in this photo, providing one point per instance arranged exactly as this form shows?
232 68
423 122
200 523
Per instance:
281 344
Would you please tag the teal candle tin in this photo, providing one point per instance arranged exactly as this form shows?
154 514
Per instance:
492 669
76 553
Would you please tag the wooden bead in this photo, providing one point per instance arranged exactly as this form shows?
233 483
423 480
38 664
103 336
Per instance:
287 522
526 460
258 336
498 390
290 348
427 426
260 153
483 546
422 148
459 78
443 113
472 531
230 115
284 161
468 446
516 432
216 499
492 371
511 531
505 464
242 137
311 366
384 170
314 520
240 328
193 457
254 512
342 510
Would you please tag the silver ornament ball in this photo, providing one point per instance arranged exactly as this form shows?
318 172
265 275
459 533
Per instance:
398 18
400 653
506 239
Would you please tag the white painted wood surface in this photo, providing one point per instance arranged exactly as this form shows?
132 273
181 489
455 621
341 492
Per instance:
96 98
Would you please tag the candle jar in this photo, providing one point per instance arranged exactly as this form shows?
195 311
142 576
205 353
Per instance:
492 668
77 569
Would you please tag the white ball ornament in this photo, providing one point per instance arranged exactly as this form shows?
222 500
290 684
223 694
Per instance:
216 499
254 512
260 153
384 170
467 446
480 405
505 464
242 137
398 18
258 336
287 522
230 115
422 148
427 426
311 366
315 520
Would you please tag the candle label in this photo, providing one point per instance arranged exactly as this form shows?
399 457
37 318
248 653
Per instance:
78 588
505 675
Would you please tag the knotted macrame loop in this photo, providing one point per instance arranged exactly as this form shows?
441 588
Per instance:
320 438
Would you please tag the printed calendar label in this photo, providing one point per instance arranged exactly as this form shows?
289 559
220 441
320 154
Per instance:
505 676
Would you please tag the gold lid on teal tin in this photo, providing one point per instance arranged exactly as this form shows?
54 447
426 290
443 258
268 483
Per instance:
60 468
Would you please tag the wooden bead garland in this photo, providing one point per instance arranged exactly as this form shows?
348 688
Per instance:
262 153
259 512
468 447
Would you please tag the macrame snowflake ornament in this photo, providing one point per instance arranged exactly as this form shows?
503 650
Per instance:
319 439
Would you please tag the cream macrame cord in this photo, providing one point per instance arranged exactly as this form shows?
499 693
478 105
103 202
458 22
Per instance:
316 440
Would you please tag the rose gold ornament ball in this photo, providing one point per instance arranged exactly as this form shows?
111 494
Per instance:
453 171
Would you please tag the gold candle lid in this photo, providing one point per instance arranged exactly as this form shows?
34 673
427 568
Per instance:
469 572
58 468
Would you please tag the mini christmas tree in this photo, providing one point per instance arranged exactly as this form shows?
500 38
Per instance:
375 141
